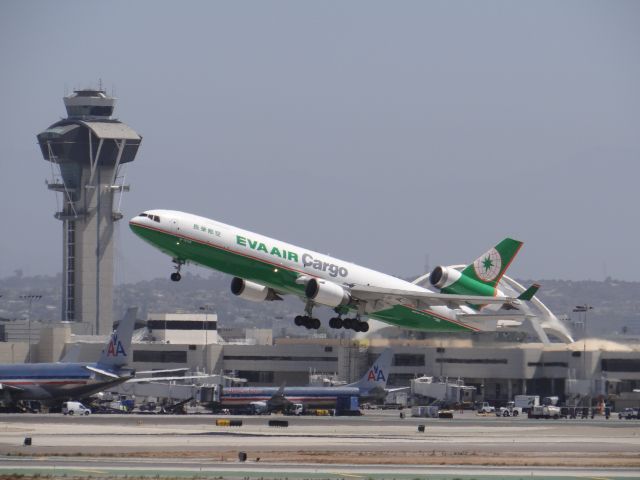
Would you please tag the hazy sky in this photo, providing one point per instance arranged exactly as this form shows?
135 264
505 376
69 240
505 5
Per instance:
378 132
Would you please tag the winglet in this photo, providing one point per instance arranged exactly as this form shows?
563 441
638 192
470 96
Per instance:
530 292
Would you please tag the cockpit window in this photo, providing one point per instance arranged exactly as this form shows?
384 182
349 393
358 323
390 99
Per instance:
155 218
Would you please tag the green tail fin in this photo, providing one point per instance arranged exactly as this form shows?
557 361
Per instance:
490 267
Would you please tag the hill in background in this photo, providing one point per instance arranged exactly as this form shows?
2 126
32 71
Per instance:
616 304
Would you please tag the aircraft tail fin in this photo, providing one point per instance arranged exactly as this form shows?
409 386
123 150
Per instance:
489 267
377 375
117 352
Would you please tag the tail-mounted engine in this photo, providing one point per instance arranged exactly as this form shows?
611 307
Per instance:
450 280
442 277
252 291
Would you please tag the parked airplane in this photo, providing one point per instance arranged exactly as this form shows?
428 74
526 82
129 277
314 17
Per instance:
264 399
64 380
264 269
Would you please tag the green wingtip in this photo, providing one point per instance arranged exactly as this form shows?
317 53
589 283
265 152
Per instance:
529 293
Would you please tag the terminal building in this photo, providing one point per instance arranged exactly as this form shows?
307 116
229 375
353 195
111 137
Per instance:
576 372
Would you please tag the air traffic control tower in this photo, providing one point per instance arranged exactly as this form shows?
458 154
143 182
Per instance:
90 148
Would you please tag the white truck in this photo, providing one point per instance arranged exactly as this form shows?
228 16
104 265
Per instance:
484 407
509 411
526 402
75 408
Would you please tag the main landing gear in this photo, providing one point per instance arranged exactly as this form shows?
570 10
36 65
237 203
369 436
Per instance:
175 276
308 322
354 324
338 322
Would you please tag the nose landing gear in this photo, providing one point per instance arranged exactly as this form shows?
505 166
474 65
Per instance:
175 276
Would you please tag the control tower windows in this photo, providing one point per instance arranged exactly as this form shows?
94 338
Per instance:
89 110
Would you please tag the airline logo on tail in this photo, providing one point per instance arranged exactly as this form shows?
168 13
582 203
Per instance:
487 267
376 377
376 374
115 347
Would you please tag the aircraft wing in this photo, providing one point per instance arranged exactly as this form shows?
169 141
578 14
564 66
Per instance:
102 371
479 317
4 386
424 299
167 379
169 370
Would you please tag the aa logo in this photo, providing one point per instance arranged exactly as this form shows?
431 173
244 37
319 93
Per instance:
115 347
376 375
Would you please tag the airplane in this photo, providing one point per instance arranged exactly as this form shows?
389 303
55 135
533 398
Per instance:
265 399
265 269
50 382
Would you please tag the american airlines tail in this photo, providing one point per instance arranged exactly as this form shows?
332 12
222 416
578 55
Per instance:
376 377
117 352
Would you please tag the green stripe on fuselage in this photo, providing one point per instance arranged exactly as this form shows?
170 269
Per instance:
277 277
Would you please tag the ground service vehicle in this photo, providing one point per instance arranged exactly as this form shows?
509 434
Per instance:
484 407
296 409
545 411
629 414
509 411
526 402
75 408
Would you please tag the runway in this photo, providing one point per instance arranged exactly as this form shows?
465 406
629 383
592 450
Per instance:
377 445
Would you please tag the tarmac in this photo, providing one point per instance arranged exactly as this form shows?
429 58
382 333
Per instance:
379 444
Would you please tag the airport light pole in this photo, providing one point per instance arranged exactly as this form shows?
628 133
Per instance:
31 299
205 308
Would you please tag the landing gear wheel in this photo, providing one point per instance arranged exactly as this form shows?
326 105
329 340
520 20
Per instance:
335 322
299 320
364 327
315 323
175 276
348 323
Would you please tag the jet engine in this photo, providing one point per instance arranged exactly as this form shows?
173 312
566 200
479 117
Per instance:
442 277
326 293
452 281
252 291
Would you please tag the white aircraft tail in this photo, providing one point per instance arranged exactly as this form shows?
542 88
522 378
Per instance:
376 377
117 352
